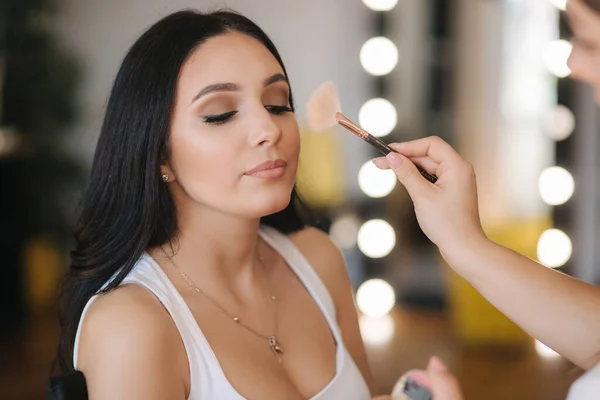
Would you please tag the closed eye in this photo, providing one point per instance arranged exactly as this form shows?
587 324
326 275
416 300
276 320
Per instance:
219 118
222 118
278 110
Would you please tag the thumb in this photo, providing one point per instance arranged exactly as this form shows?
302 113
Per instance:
436 365
444 385
407 174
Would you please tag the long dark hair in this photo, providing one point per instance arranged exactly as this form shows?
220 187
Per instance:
125 209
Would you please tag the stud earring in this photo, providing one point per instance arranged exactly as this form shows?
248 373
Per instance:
165 177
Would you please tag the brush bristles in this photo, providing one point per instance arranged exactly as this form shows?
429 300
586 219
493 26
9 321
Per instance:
322 106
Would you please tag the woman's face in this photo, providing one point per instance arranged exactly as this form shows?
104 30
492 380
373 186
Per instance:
584 61
234 142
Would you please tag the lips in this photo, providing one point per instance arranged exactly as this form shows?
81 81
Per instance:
267 166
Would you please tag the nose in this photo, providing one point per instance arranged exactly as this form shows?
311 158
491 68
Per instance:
263 129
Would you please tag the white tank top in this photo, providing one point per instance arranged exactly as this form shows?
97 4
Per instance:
587 387
207 380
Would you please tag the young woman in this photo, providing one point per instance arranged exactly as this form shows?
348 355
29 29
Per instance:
562 312
194 276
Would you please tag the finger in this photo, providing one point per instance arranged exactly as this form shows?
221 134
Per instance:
381 163
442 383
427 164
424 162
408 174
420 377
444 386
432 147
436 365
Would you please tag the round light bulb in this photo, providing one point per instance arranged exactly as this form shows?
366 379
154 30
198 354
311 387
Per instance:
556 186
380 5
377 331
559 123
560 4
379 56
378 117
375 182
545 351
555 57
554 248
375 298
376 238
344 230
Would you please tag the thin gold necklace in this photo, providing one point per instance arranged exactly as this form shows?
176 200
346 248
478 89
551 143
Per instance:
271 339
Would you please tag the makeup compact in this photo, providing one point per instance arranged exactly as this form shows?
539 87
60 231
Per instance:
409 388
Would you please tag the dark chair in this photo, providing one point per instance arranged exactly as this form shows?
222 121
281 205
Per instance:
68 387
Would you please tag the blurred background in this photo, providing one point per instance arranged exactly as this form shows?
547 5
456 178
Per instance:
488 76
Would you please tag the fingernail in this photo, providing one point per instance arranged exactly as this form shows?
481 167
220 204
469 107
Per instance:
394 159
379 161
420 377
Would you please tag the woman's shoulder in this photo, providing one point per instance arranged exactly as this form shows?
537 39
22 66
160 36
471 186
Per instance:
123 305
128 334
316 244
325 258
129 316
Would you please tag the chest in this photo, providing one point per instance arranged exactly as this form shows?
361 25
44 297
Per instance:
242 350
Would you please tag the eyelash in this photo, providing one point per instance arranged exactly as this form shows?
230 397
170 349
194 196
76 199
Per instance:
222 118
278 110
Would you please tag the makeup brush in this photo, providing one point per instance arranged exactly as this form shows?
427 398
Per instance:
323 110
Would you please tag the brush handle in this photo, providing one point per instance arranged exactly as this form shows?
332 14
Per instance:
384 149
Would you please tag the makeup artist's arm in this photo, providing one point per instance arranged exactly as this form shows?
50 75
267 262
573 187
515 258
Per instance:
560 311
329 264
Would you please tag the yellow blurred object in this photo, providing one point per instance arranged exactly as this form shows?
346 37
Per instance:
42 273
320 179
474 319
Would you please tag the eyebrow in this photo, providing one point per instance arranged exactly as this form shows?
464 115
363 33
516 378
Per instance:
232 87
275 78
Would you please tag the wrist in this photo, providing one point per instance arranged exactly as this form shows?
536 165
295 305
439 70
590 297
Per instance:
468 253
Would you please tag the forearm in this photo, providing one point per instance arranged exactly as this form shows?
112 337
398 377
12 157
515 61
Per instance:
560 311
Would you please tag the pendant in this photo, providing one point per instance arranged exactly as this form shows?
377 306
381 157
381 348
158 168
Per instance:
275 347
